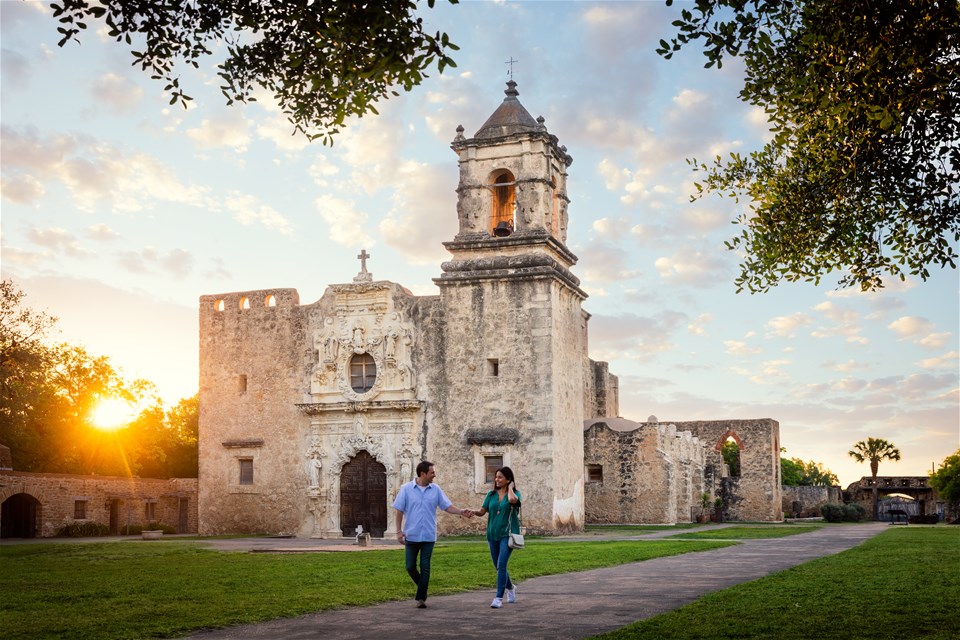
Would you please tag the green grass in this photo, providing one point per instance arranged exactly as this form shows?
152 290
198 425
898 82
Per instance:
746 533
117 590
904 583
637 528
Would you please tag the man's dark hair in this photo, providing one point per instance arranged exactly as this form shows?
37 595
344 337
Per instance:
423 467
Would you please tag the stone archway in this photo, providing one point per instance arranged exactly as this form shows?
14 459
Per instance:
20 515
363 495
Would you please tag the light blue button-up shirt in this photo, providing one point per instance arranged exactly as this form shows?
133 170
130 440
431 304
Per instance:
419 507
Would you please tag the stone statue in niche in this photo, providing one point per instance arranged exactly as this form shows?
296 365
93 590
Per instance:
359 346
315 467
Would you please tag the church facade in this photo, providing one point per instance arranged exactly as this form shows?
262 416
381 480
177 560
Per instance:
313 415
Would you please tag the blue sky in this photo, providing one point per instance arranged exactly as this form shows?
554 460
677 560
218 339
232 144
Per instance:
119 211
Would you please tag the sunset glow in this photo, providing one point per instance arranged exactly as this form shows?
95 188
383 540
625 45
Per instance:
111 414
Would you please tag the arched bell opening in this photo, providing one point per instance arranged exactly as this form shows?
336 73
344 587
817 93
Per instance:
502 217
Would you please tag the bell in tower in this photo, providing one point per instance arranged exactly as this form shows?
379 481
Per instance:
513 178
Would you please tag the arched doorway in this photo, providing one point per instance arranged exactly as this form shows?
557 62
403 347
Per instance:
20 515
363 496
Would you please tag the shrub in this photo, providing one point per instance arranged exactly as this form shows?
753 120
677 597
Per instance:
854 512
83 530
832 512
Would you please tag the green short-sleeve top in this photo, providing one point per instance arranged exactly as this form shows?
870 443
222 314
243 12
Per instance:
502 517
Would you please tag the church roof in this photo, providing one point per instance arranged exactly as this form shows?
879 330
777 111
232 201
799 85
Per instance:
510 117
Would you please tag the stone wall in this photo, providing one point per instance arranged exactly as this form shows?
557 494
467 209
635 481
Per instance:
56 495
757 494
641 472
805 502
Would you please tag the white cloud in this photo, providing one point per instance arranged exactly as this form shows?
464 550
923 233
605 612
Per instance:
423 214
786 326
947 360
177 262
120 95
102 232
248 210
229 129
910 326
740 348
345 222
58 240
692 268
698 326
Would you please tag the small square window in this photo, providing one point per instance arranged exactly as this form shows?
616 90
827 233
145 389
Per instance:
490 466
242 383
80 510
594 473
246 471
493 367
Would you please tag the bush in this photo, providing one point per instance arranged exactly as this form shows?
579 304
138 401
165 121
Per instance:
854 512
83 530
833 512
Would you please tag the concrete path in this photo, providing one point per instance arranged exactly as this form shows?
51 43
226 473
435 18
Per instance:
571 605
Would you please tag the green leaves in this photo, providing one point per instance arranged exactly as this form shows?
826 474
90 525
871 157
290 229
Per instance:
863 173
323 61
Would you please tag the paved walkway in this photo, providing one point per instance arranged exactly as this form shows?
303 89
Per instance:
571 605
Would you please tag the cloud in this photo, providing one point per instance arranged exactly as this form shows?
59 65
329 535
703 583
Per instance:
947 360
786 326
605 262
423 213
229 129
248 210
22 189
698 326
120 95
345 222
102 233
919 331
176 262
740 348
58 240
693 268
632 336
93 172
846 323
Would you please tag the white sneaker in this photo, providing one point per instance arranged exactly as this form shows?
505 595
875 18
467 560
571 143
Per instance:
497 603
512 595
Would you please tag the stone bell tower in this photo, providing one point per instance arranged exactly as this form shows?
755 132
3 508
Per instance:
513 335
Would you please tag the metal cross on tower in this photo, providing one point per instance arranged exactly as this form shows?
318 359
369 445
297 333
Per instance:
510 62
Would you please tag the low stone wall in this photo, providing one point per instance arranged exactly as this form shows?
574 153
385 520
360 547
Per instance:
38 504
805 502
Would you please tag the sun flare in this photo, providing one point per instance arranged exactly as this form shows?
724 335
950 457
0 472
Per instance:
111 414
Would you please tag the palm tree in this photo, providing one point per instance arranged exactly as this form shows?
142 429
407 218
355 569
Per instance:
874 450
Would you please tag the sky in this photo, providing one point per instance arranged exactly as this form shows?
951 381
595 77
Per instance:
119 211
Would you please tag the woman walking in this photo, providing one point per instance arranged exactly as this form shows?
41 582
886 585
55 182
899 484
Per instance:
503 504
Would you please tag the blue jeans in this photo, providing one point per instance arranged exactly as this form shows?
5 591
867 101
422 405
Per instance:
422 577
500 552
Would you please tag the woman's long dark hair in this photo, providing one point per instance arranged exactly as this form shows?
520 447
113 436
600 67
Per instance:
508 474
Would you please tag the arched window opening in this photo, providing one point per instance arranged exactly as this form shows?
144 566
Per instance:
270 301
363 372
504 202
244 303
731 456
218 305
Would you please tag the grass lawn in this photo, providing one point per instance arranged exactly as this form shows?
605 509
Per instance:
117 590
903 583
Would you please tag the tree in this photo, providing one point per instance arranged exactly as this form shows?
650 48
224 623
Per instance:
49 391
323 60
731 456
946 479
797 473
863 172
874 450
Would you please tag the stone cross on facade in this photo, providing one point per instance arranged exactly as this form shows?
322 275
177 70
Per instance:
364 275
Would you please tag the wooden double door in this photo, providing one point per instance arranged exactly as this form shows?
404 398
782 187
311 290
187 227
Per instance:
363 496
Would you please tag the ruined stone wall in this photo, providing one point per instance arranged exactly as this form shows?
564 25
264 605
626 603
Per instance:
254 360
601 393
805 502
58 493
651 472
758 494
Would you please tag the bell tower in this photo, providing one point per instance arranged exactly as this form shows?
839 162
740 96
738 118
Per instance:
513 335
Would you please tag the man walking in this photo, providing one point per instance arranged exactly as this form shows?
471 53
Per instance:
419 500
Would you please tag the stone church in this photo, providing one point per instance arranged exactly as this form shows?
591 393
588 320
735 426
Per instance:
313 415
